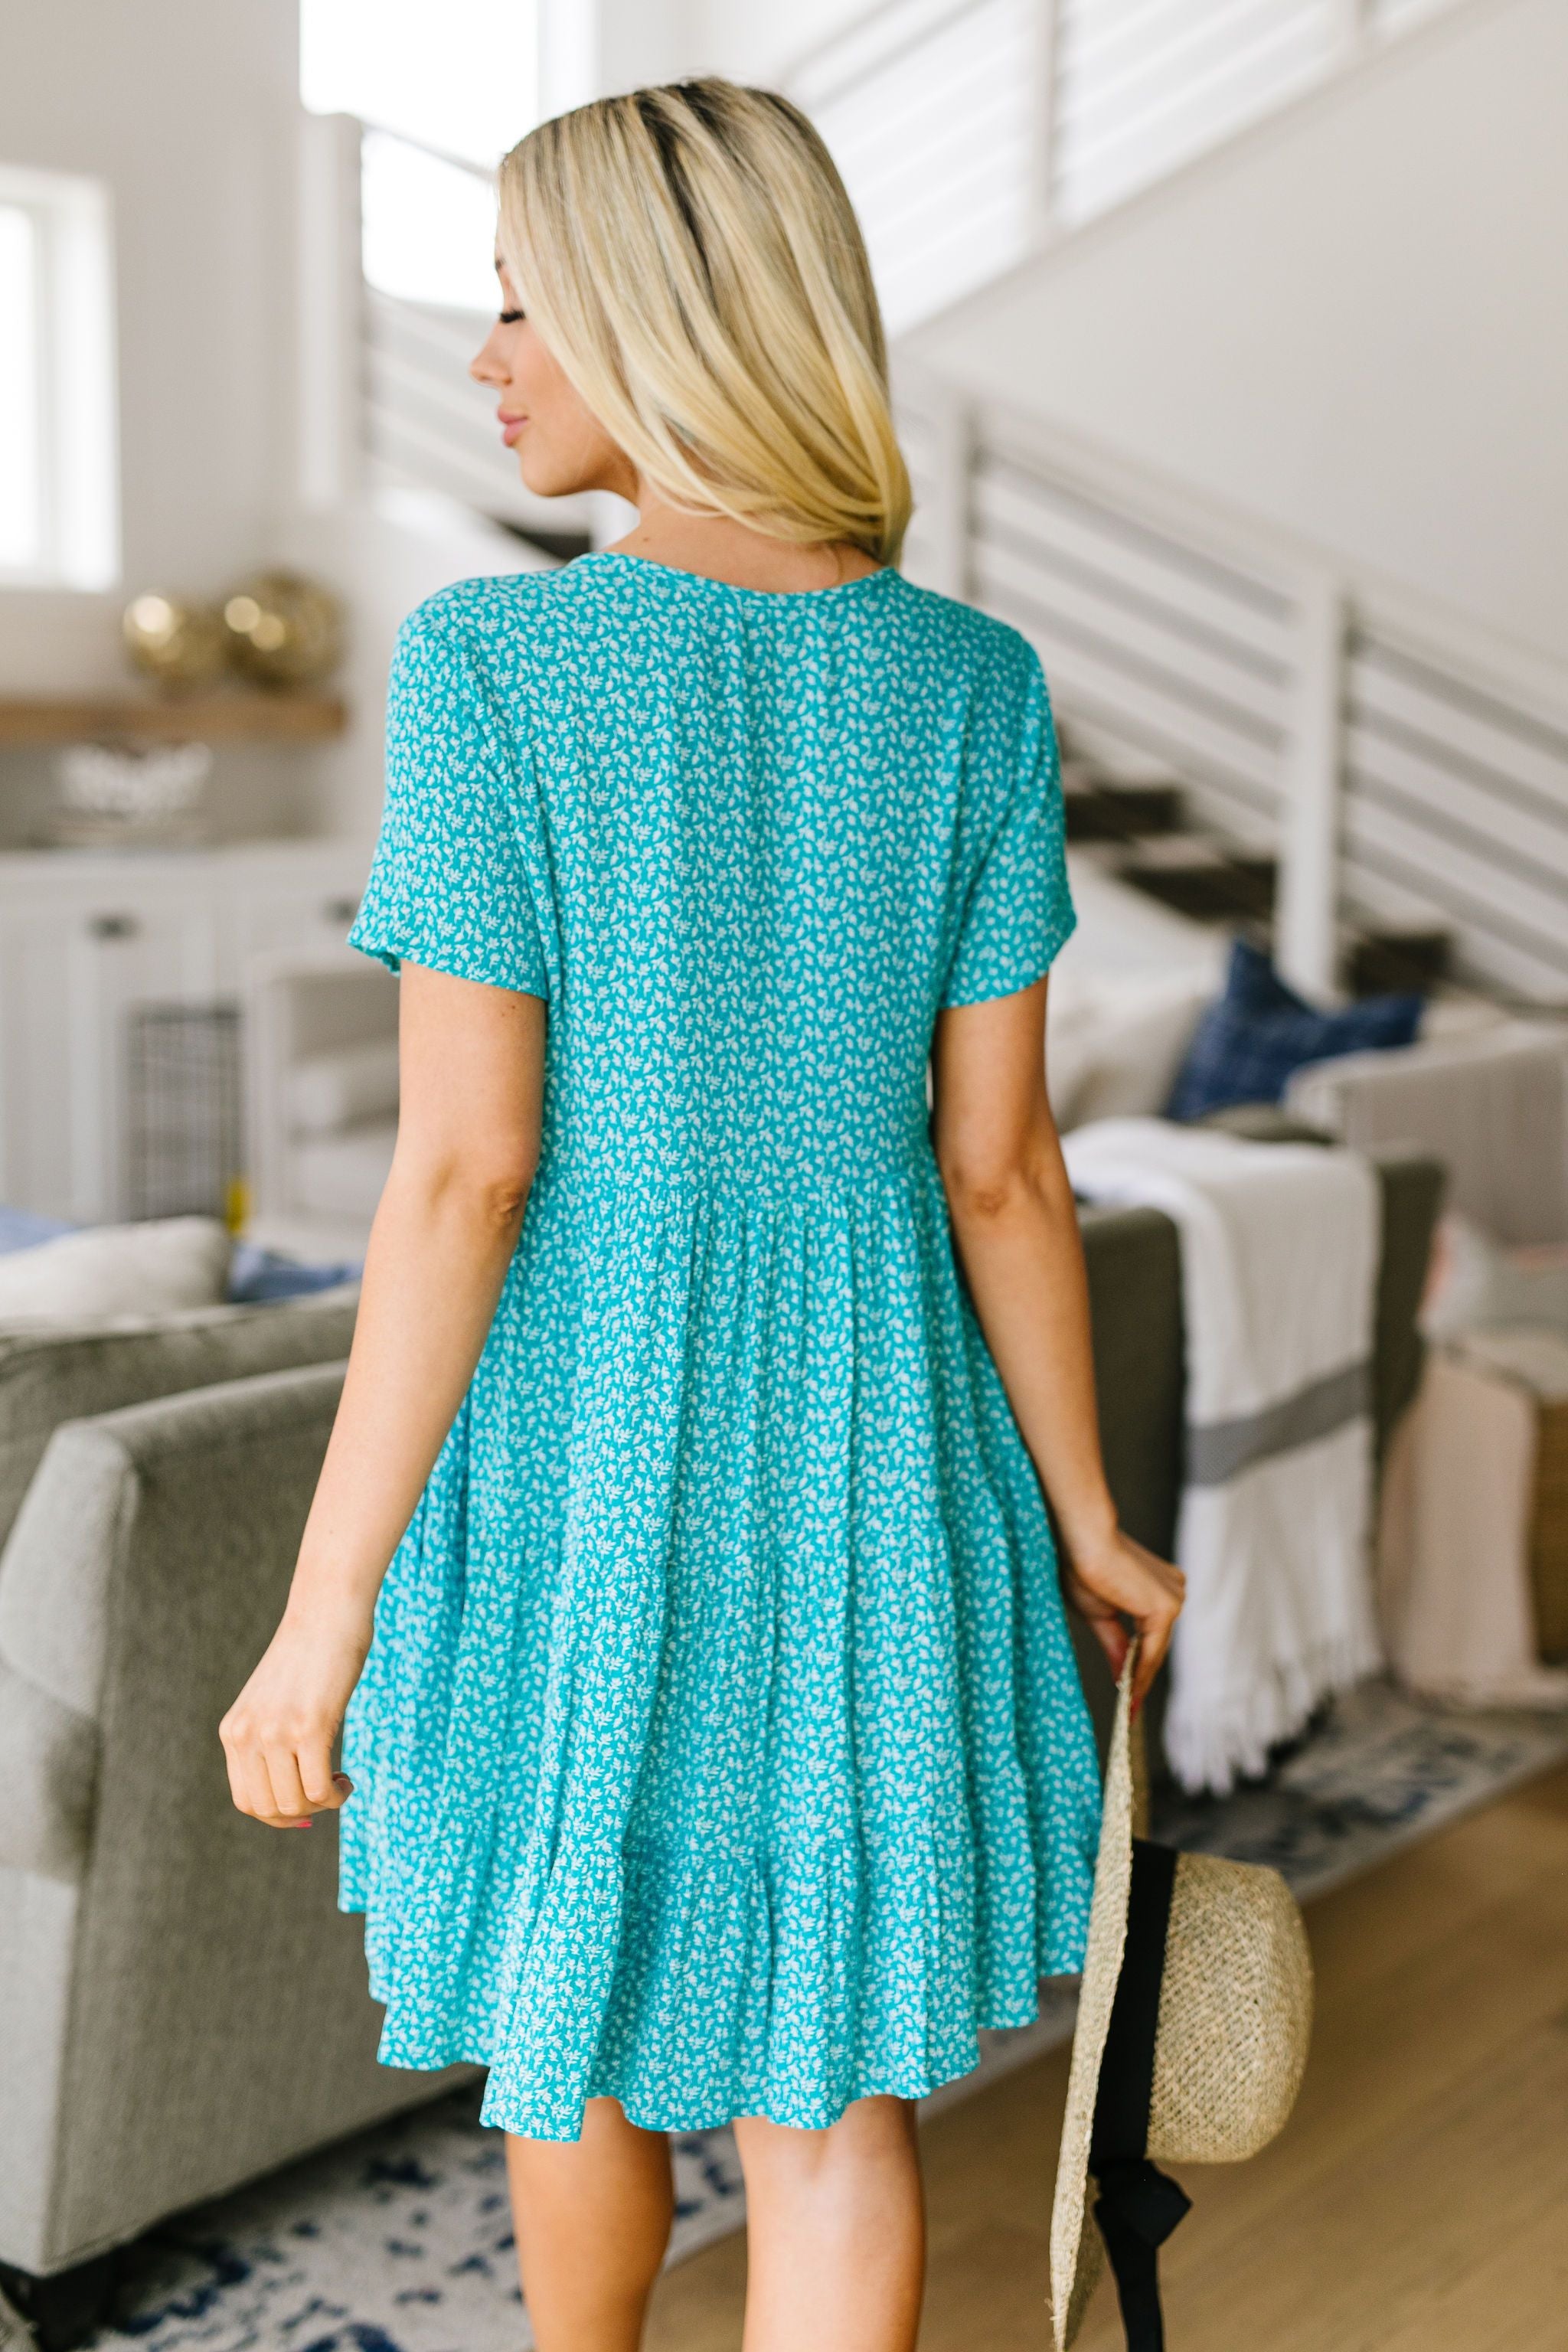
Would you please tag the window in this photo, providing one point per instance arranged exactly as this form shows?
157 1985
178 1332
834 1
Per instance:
446 92
59 494
428 226
462 78
21 505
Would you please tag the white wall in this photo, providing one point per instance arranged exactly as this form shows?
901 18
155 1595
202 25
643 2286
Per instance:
636 41
186 109
639 41
758 41
381 562
1353 325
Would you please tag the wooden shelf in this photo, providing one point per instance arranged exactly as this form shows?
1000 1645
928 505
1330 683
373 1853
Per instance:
227 717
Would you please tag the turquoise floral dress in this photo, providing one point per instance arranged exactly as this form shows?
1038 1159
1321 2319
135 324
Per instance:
720 1746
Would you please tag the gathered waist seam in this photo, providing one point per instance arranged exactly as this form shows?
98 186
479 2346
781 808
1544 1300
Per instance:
784 1188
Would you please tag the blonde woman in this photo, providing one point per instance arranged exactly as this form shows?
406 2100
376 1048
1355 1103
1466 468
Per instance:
719 1754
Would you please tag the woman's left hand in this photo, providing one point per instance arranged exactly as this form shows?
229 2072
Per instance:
1115 1579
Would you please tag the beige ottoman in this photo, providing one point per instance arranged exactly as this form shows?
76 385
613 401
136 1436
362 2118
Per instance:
1473 1540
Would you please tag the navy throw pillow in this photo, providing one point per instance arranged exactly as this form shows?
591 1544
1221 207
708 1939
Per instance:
1252 1038
22 1229
256 1276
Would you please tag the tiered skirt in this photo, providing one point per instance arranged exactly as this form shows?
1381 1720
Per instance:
720 1748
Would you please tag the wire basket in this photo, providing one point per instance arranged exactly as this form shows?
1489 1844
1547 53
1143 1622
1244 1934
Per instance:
183 1138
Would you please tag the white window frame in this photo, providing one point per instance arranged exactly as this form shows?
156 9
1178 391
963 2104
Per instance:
77 401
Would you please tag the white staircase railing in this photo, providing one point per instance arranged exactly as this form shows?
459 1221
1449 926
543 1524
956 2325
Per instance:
427 425
1404 769
1164 644
1455 798
931 109
970 133
388 402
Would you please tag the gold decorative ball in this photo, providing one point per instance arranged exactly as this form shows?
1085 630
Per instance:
283 630
180 644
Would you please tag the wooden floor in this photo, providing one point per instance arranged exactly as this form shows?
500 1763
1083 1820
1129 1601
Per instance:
1417 2201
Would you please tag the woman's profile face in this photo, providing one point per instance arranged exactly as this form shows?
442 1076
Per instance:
561 445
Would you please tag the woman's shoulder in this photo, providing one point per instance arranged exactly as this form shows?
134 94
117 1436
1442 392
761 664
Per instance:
484 609
998 658
503 626
982 639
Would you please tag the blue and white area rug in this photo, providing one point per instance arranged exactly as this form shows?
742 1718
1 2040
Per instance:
401 2241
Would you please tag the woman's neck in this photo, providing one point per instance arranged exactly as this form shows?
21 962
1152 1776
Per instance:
717 547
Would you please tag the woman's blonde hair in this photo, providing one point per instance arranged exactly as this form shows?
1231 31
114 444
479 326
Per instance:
690 257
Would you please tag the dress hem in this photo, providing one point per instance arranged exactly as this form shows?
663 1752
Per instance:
527 2125
802 2116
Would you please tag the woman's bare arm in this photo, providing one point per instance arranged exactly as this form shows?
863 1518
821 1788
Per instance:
1015 1231
471 1060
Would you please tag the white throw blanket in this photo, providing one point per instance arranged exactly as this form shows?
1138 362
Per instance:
1279 1249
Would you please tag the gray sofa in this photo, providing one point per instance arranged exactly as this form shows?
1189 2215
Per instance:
1135 1297
181 2006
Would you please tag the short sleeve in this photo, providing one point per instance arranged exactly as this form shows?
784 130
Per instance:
449 884
1017 912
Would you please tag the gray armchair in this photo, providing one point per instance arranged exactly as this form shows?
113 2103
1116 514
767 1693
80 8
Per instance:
181 2006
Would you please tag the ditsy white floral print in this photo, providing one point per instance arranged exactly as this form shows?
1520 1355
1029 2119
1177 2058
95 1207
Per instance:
721 1747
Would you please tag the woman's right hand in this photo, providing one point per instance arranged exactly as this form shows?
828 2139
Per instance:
279 1733
1117 1577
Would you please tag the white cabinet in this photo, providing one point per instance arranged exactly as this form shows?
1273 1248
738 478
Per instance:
85 939
152 948
286 918
36 1102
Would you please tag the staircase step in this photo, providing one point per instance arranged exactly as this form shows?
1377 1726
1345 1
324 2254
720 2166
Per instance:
1198 879
1395 962
1140 821
562 544
1097 808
